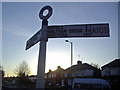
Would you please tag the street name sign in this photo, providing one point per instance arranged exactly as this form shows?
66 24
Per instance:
33 40
71 31
85 30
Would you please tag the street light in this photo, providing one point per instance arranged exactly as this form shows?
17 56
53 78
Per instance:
71 50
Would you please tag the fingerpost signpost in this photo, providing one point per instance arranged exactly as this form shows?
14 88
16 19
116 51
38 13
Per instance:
60 31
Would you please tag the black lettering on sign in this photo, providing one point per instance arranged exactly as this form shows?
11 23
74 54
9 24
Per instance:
106 29
99 30
57 33
75 31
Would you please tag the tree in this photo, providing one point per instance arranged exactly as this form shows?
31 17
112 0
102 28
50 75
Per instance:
97 71
2 71
22 69
2 74
95 65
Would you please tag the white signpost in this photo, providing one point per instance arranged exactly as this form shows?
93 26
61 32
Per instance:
60 31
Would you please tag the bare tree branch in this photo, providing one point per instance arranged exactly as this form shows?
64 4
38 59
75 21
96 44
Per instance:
22 69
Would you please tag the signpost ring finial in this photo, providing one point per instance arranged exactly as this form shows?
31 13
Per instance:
49 8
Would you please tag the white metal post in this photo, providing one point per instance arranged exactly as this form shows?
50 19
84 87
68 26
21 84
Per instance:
41 65
40 82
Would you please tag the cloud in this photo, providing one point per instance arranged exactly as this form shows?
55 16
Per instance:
18 31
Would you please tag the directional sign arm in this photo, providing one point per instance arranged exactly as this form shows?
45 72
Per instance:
68 31
41 35
84 30
33 40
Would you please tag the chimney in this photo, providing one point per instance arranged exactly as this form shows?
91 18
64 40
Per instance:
58 67
79 63
50 70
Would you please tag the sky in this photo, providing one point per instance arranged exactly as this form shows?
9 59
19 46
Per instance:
60 0
20 21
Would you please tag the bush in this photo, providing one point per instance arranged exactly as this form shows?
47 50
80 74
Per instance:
24 81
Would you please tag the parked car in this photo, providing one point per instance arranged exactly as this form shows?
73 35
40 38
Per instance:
90 84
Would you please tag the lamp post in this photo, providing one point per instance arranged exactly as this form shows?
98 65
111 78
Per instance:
71 50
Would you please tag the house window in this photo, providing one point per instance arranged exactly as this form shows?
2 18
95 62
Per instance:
65 75
80 74
54 75
107 72
49 76
73 74
69 82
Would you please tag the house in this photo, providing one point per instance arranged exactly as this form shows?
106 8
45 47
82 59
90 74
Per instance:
65 77
111 72
53 78
81 70
112 68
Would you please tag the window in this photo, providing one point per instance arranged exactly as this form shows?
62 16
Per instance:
49 76
65 75
108 72
54 75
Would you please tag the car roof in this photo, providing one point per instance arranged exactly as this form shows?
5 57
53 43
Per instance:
90 81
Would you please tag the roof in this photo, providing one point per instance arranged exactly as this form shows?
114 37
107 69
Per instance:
113 64
79 67
59 69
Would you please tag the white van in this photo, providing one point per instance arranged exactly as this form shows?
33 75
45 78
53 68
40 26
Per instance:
90 84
